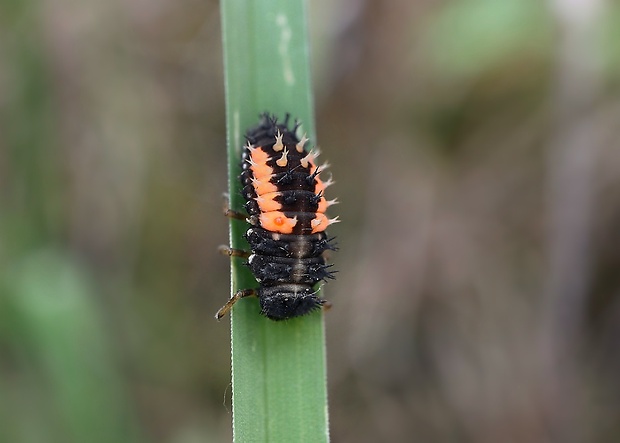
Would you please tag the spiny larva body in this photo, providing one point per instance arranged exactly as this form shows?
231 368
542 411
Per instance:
286 206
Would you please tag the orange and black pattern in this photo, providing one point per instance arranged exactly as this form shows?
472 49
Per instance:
286 205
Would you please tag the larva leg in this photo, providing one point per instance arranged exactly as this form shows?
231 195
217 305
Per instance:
230 213
326 306
232 252
234 299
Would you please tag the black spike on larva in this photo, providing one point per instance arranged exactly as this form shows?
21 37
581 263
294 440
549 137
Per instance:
312 177
316 198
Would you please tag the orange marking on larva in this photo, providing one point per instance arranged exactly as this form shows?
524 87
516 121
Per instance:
323 204
263 186
320 223
319 187
322 185
259 166
267 202
276 221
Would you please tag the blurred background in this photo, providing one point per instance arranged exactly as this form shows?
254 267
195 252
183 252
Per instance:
475 148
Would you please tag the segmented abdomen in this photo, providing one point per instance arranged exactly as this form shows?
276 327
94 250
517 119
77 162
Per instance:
281 181
286 204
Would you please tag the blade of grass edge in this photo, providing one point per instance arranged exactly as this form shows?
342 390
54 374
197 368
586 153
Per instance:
278 369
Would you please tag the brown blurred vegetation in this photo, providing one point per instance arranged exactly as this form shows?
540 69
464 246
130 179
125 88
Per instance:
475 148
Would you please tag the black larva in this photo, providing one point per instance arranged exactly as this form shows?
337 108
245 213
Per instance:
286 206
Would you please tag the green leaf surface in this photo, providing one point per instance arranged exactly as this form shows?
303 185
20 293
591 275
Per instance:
278 368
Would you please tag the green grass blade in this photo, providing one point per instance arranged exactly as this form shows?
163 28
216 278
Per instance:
278 369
